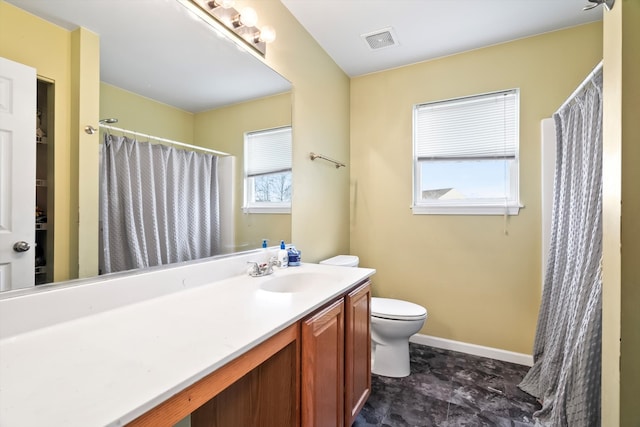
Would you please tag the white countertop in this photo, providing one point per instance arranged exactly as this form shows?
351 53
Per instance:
110 367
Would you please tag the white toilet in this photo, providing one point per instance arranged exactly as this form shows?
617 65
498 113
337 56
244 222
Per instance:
342 260
392 323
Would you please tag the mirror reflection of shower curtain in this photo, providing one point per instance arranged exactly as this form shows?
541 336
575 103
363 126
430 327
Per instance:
158 205
565 375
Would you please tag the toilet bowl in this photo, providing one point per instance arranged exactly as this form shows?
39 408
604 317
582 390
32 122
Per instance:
393 322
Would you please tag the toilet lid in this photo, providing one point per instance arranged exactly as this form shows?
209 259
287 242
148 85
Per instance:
395 309
343 260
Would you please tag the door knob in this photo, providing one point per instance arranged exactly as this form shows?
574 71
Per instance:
21 246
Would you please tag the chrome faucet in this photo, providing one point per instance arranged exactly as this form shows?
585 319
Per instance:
262 269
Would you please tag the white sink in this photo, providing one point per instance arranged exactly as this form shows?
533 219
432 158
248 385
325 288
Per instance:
295 282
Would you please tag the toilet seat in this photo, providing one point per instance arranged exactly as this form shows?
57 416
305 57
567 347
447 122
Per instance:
393 309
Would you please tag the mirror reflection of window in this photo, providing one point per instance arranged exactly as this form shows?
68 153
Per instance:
267 171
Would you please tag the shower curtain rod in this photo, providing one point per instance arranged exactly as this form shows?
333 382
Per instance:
169 141
582 85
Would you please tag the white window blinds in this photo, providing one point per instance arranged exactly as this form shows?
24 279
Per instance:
268 152
479 127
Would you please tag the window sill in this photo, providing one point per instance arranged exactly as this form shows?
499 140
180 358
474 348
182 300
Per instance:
478 209
266 210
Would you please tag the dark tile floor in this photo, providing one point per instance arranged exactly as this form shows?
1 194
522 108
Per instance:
447 388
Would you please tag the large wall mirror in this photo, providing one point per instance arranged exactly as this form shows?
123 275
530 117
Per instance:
165 72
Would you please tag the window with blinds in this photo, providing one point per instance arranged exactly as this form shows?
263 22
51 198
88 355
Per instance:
466 155
267 171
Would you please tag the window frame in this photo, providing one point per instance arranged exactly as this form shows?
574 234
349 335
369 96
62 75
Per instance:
249 205
479 206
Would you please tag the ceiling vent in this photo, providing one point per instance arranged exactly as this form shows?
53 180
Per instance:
381 39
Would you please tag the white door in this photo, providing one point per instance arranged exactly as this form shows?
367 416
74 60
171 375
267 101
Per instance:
17 174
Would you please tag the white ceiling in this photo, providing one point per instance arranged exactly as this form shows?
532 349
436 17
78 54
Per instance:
428 29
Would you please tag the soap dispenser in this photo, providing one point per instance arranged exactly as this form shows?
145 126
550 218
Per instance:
294 257
283 256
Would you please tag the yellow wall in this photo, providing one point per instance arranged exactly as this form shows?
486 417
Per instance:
145 115
46 47
223 129
85 106
320 212
479 285
621 217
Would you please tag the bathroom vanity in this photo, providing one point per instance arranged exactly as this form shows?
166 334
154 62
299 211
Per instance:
317 369
202 338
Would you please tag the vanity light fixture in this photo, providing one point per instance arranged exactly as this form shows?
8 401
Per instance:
226 4
247 17
241 24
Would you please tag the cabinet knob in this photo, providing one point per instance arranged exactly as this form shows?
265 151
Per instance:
21 246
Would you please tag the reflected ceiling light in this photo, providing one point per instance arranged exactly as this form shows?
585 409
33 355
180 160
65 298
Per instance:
266 34
241 25
247 17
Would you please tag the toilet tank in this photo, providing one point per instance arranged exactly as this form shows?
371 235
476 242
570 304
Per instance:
342 260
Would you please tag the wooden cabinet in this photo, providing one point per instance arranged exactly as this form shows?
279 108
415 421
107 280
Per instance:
336 361
258 388
322 373
265 397
357 368
315 373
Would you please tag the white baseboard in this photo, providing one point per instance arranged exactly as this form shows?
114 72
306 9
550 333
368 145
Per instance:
476 350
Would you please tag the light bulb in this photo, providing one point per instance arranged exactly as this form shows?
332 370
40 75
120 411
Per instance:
248 17
267 34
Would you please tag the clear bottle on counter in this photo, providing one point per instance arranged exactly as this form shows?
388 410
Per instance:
283 256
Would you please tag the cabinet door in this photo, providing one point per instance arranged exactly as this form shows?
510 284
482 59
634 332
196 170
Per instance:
323 368
357 363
